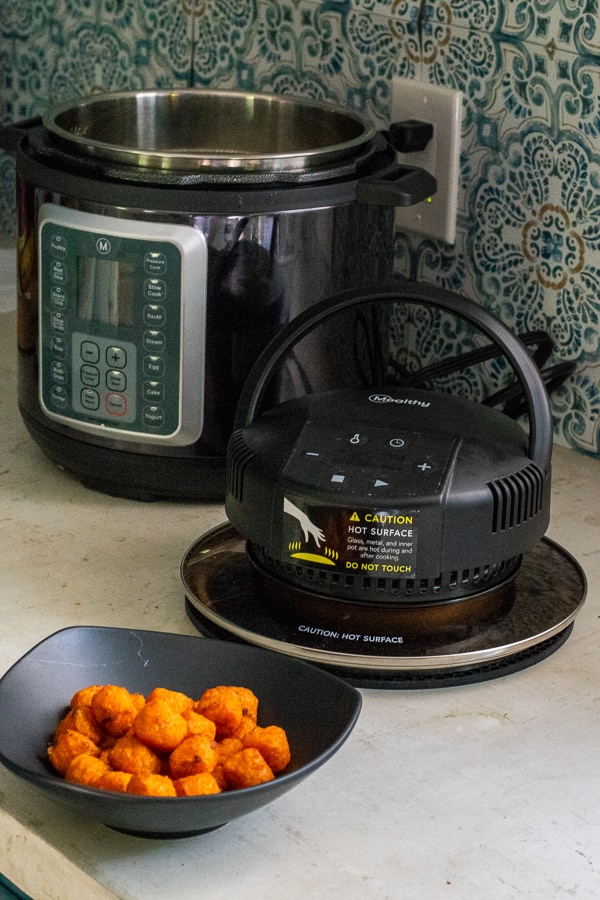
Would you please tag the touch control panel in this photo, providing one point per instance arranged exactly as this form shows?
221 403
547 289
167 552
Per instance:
122 322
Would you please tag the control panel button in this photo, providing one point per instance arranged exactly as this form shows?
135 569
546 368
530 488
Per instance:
155 263
116 357
58 246
154 341
58 272
89 351
58 372
155 315
155 289
58 297
153 391
90 376
116 380
90 399
116 404
58 347
154 416
154 366
59 322
58 396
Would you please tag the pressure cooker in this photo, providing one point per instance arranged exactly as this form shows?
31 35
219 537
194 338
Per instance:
164 237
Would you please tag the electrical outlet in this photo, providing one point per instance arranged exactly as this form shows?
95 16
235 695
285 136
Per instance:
442 107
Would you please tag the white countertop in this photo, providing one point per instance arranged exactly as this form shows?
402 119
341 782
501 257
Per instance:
489 790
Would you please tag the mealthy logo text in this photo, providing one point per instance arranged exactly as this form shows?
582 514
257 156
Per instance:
385 398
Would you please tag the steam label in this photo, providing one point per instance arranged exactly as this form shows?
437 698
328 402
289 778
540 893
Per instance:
376 541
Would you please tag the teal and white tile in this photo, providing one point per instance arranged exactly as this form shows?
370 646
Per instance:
528 229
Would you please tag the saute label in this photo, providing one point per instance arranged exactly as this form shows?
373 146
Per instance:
354 540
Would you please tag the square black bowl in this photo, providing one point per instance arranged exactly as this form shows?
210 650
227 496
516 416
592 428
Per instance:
318 711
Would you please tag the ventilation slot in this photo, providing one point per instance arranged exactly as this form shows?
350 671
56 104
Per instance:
452 584
516 498
239 455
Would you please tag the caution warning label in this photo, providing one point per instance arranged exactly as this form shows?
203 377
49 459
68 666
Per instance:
383 542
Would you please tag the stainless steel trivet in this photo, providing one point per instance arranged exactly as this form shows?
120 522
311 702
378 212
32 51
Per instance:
404 648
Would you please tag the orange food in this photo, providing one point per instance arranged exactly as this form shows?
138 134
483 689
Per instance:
199 724
223 706
84 696
249 702
178 701
194 755
85 769
129 754
273 745
160 725
151 786
195 785
114 781
81 719
246 768
67 745
246 725
115 709
168 744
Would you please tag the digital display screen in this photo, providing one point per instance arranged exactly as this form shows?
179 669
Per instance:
105 291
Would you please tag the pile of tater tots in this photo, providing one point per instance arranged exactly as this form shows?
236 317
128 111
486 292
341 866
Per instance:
166 744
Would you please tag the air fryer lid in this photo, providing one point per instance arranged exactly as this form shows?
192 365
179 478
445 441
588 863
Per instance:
216 131
389 497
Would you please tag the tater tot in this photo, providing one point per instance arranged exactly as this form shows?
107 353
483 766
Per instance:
199 724
273 745
225 748
114 781
194 785
129 754
223 706
246 768
81 719
85 769
249 702
67 746
115 709
194 755
152 786
160 726
178 700
84 696
246 725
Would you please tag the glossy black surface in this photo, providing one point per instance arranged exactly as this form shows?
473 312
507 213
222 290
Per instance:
317 709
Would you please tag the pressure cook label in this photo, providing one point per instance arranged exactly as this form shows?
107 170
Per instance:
381 542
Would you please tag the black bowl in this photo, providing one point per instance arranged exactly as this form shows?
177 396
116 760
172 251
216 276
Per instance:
317 709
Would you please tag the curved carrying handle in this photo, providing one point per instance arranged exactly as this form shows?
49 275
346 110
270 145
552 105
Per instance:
540 419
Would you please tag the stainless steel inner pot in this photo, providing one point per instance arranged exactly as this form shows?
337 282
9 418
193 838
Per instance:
214 130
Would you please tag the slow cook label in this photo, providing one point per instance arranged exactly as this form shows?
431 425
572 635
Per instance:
381 542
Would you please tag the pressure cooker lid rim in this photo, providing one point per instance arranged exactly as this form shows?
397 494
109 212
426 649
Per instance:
209 130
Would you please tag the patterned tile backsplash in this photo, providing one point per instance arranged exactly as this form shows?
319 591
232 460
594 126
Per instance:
528 237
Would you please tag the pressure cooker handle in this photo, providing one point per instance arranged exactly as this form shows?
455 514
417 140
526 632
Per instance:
396 185
540 419
12 135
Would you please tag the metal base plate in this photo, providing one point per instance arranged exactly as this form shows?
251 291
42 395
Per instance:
224 598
